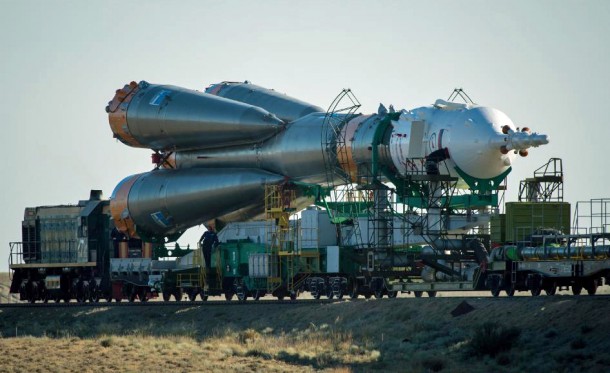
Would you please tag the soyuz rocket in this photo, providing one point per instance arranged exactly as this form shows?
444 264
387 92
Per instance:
216 149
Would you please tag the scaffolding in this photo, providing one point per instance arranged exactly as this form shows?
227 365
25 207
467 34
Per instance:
546 185
281 249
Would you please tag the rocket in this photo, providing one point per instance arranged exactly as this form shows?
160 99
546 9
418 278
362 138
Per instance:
215 150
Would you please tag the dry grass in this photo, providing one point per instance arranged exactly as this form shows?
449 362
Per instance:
311 349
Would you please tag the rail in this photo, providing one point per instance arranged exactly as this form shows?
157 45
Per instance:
52 251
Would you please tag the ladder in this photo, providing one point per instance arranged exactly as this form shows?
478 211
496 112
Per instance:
279 206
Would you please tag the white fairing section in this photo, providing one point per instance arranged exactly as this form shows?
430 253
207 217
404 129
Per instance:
472 134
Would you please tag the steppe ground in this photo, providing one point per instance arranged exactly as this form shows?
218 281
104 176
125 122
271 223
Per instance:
521 334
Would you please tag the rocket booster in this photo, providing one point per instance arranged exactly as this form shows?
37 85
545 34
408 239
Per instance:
217 148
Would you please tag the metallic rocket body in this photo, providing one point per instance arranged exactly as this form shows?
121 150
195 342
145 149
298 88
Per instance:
163 117
218 148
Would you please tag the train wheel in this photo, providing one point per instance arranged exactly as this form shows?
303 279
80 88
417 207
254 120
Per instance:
510 291
81 292
316 294
329 292
242 296
203 295
294 295
166 295
392 294
132 296
257 295
551 289
591 287
495 291
192 294
576 289
536 291
143 295
379 293
280 297
418 293
94 294
354 291
241 291
57 298
339 293
44 296
431 294
118 300
178 294
228 295
94 297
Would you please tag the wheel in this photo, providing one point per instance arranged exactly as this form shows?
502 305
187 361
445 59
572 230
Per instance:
166 295
57 298
132 295
257 294
280 297
510 291
294 295
329 292
316 294
367 295
353 293
67 297
339 293
109 297
591 287
203 295
431 294
143 295
392 294
118 300
494 283
80 293
94 297
178 294
418 293
379 293
550 289
536 291
44 296
192 294
242 296
576 289
228 295
241 291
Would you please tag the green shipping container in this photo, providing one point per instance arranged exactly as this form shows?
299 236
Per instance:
524 218
498 228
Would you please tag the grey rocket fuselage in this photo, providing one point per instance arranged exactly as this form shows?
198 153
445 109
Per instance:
217 149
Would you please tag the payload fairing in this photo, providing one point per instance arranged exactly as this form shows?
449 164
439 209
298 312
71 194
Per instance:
216 149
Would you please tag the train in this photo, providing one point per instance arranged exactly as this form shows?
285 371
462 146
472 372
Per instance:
296 199
74 252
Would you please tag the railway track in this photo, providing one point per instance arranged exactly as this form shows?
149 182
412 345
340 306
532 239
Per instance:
174 304
216 303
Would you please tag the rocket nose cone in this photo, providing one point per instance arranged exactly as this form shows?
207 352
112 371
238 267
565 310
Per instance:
476 143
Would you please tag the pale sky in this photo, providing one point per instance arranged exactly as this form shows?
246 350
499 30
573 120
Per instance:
544 63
